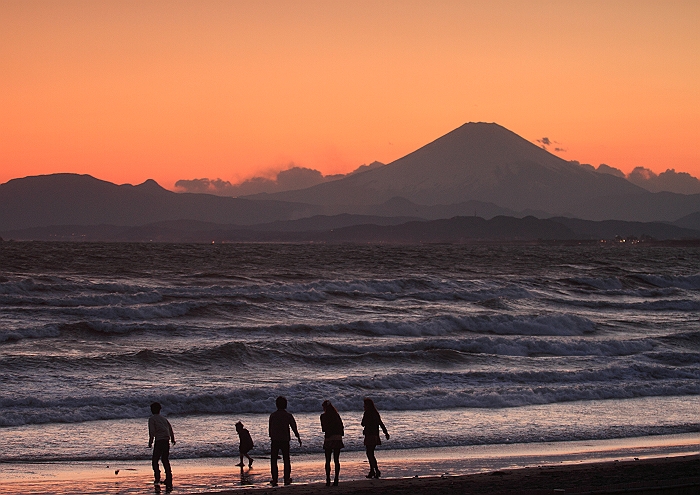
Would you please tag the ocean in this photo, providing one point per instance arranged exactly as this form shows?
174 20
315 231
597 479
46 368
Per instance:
457 345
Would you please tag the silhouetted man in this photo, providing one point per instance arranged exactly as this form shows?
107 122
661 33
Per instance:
159 429
280 422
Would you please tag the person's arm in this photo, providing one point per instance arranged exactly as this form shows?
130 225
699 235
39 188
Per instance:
151 432
386 433
293 425
172 435
323 423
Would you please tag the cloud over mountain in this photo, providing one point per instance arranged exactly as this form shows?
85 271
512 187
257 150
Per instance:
291 179
670 180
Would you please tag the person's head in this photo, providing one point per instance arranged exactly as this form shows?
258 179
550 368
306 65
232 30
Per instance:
155 408
369 404
328 407
281 402
239 426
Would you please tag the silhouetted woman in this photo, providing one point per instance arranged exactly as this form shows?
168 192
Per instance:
372 421
332 426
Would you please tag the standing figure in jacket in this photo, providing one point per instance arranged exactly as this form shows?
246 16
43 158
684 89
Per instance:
159 429
372 421
332 426
280 423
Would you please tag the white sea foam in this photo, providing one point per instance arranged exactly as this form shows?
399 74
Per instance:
400 391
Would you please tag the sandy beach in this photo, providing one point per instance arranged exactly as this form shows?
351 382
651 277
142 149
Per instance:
676 476
668 462
668 476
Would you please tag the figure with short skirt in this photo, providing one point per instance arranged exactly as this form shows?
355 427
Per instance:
332 427
372 422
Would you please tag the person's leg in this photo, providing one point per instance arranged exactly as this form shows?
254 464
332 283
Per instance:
287 463
372 461
328 466
154 462
336 461
377 473
370 453
274 452
165 459
250 460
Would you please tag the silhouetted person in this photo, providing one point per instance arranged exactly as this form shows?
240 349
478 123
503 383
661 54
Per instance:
332 426
245 445
280 422
159 429
372 421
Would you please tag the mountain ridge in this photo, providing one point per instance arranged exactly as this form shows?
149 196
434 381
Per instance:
476 161
62 199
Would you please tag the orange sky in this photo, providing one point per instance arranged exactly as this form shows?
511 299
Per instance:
131 90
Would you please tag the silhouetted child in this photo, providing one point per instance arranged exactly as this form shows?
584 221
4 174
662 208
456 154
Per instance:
246 444
159 429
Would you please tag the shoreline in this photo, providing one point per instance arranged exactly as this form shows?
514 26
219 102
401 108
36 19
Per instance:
447 470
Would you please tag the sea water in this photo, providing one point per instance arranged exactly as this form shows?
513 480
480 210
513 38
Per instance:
457 345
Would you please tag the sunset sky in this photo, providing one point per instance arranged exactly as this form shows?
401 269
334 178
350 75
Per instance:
131 90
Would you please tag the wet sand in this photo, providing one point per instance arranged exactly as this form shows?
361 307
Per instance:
664 476
667 476
665 465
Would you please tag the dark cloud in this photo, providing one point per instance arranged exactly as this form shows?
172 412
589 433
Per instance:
286 180
298 178
642 174
545 142
587 166
607 169
216 186
670 180
365 168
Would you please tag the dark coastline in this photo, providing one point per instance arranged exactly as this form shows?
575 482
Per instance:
343 229
471 242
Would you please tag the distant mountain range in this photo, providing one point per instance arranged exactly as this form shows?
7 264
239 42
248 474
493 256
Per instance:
70 199
478 170
366 229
